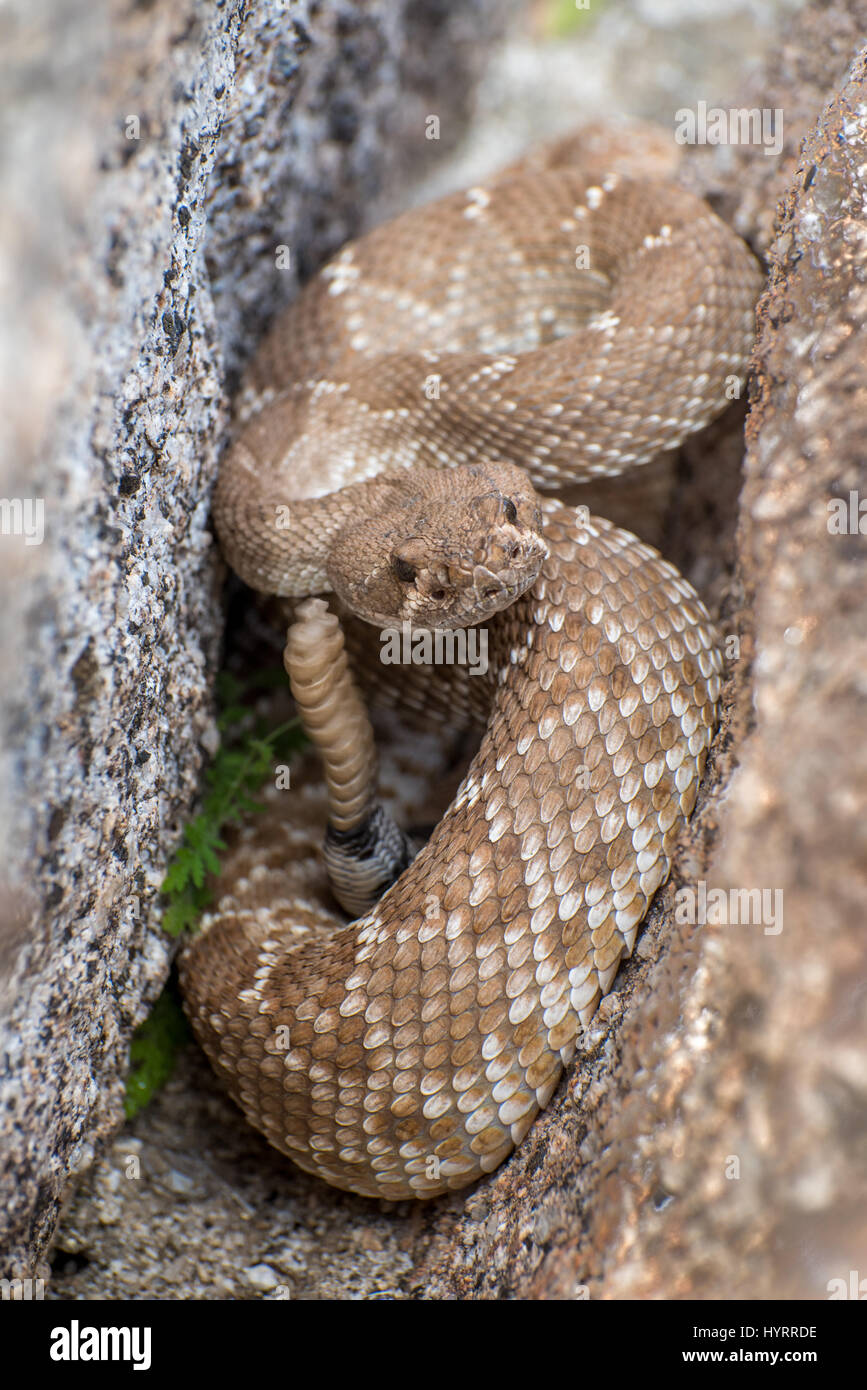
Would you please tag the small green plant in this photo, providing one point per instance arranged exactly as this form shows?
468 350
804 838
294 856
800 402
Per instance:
245 760
153 1051
560 18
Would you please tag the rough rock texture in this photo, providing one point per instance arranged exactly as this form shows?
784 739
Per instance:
155 156
711 1143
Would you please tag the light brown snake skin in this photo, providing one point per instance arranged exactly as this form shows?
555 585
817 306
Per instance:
406 1053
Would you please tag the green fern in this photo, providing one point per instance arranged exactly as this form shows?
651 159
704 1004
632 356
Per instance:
153 1051
246 757
245 760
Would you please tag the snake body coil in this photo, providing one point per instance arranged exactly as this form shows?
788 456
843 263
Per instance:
406 1053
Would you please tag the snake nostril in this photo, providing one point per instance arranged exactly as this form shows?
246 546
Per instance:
438 594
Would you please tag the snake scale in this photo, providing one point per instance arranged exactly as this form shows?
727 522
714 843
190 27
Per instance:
567 320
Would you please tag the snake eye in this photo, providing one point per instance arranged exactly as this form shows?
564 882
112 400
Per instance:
403 569
437 594
510 509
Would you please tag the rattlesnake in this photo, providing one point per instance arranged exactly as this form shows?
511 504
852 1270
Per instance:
550 326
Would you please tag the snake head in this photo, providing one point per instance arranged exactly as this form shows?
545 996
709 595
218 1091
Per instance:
454 547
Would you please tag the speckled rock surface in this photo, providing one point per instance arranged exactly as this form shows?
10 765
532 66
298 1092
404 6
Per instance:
154 155
166 1220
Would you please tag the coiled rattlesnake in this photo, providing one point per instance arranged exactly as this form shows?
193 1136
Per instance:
552 326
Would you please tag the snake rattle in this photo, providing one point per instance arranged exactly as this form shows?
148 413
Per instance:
403 411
